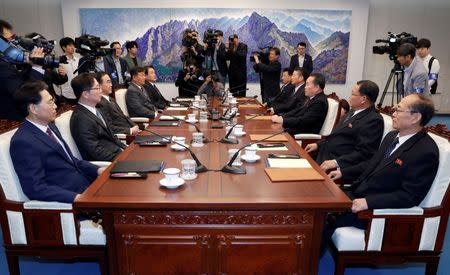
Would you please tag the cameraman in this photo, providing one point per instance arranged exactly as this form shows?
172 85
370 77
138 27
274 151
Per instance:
236 52
430 62
68 46
219 58
191 49
415 76
212 85
188 80
269 74
11 78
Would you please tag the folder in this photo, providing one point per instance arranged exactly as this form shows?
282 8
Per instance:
293 174
256 137
250 106
153 138
259 117
176 108
137 166
165 123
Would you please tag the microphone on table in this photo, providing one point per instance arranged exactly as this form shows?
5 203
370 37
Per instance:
228 140
229 168
200 167
205 140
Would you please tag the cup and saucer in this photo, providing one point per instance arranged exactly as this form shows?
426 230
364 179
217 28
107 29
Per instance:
172 178
178 147
238 130
250 155
191 118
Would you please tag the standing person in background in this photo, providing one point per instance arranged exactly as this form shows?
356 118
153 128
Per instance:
131 58
237 73
301 59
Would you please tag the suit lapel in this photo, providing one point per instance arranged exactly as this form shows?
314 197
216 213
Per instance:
119 111
353 118
94 117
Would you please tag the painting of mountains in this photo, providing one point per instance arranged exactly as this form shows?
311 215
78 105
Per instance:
158 32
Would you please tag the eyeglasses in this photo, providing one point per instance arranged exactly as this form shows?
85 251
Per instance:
397 110
93 88
356 95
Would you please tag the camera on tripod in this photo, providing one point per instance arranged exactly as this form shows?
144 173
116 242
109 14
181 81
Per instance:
393 42
189 38
262 54
91 46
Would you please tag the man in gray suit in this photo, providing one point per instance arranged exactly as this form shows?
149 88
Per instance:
138 102
415 77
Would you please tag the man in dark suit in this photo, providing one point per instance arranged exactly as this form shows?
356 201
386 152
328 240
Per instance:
217 58
400 174
237 72
188 81
311 115
137 99
88 125
357 137
295 95
46 167
301 59
269 74
116 66
117 120
153 92
286 77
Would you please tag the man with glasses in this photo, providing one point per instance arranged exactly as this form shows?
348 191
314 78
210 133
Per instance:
400 174
357 136
46 167
301 59
88 125
118 121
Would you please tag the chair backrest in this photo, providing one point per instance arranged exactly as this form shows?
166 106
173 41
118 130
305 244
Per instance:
8 177
441 181
330 119
63 124
387 120
120 99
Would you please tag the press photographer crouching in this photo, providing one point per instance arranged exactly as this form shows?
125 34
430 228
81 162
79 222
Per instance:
189 80
269 69
212 85
21 60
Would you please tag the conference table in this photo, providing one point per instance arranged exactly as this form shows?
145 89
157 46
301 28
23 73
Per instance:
218 223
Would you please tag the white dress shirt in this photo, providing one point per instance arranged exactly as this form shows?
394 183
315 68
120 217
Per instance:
70 67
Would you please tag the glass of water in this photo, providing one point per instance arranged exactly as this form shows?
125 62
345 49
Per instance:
188 169
197 139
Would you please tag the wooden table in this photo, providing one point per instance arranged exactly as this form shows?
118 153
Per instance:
218 223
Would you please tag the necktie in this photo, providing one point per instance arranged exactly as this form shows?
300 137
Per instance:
391 148
349 115
99 115
53 137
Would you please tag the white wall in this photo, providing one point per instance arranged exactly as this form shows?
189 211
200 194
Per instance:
422 18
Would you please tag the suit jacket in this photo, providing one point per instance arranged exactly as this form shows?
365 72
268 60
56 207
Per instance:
130 62
110 68
310 117
187 88
403 179
117 120
417 80
94 140
290 101
237 72
11 80
155 96
138 102
354 139
45 171
222 60
307 63
270 79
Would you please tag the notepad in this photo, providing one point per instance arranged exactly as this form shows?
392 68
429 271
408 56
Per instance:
271 147
137 166
163 117
280 137
259 117
165 123
293 174
177 108
287 163
152 138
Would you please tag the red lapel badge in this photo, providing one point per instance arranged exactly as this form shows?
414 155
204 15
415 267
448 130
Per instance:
399 162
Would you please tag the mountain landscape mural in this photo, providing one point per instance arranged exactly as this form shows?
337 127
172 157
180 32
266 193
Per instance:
158 33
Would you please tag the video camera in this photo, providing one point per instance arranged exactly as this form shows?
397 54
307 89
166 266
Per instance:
210 37
263 55
18 51
189 38
92 46
393 42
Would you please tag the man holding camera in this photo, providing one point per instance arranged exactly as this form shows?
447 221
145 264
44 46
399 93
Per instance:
191 50
415 76
237 73
219 67
269 74
188 80
430 62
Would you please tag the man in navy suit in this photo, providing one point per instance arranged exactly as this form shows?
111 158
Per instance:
400 174
46 167
301 59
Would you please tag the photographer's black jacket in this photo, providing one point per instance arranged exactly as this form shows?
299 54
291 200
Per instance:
187 88
270 79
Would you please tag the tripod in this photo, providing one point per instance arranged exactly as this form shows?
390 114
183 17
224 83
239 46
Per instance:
396 73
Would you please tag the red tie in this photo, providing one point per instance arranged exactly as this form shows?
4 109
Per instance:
52 136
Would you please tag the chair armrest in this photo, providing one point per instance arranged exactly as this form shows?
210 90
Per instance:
101 163
121 136
47 205
139 119
307 136
413 211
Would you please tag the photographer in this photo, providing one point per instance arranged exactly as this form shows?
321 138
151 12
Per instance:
68 46
11 77
236 52
269 74
415 77
191 49
188 80
212 86
215 53
430 62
